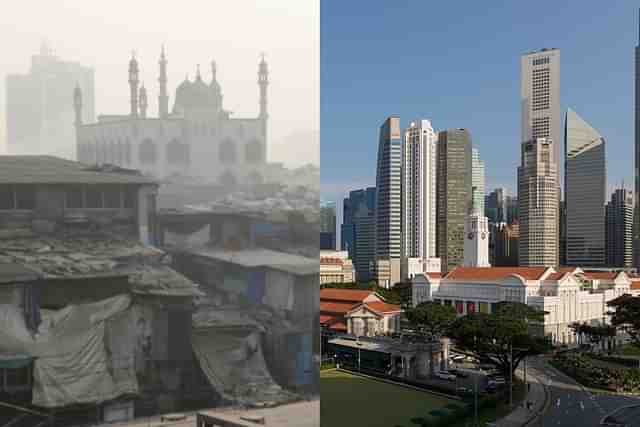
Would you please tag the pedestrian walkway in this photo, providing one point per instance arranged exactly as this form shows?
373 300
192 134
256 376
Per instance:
537 398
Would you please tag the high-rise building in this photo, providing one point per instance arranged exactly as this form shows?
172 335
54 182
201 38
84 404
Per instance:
636 197
562 240
512 209
40 114
495 206
365 243
388 186
477 181
454 195
327 225
504 244
538 204
540 98
619 229
350 206
419 191
585 192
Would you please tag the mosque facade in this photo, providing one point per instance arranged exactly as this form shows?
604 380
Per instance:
197 138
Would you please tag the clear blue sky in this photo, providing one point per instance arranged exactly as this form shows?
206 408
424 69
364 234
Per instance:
458 64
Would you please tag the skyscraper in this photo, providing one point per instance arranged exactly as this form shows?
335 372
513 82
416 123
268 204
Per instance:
40 114
327 225
477 181
454 195
636 197
388 199
619 224
538 204
419 191
540 98
585 192
365 243
350 206
496 206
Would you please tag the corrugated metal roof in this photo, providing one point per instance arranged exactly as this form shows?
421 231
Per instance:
55 170
16 273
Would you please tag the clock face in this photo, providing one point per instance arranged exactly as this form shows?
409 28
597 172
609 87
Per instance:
470 236
483 236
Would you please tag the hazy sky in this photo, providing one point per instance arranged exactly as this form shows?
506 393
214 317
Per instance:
102 34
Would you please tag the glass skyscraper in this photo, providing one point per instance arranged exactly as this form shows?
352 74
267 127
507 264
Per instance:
585 192
477 181
388 203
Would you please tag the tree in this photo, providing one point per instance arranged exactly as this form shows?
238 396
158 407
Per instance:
625 316
501 338
431 319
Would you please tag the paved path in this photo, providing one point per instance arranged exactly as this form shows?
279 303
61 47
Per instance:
536 396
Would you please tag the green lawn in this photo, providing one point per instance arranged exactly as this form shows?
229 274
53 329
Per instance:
353 401
628 350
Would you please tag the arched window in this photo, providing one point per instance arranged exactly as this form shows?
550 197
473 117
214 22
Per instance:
253 152
227 152
254 178
227 179
147 152
177 153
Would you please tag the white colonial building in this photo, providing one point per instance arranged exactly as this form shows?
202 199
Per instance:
567 294
336 267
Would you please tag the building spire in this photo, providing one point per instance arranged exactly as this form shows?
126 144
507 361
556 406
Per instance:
133 84
163 98
198 77
77 104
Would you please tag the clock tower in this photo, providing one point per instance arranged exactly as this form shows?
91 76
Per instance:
476 240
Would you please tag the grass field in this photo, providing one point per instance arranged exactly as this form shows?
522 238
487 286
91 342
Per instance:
353 401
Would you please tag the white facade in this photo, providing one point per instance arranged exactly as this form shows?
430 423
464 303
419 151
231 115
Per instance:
410 267
336 267
540 98
476 242
419 157
567 295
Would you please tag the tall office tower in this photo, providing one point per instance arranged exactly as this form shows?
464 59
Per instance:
503 244
364 222
619 229
511 204
562 240
585 192
538 204
327 225
636 197
419 191
454 195
477 181
40 114
540 98
388 186
350 206
496 206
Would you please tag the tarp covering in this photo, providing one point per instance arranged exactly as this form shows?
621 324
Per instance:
82 352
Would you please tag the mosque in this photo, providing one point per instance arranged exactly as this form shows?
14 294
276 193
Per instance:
197 138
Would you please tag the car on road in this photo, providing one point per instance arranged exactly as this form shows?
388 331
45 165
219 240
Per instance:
464 391
459 373
445 375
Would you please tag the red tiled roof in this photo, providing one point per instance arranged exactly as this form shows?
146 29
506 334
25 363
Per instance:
325 318
382 307
339 326
331 260
601 275
495 273
351 295
635 284
434 275
556 275
335 307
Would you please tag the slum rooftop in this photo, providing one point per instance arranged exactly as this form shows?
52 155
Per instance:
54 170
95 254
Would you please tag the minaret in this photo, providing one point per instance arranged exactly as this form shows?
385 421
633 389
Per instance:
77 104
263 82
163 98
143 102
133 85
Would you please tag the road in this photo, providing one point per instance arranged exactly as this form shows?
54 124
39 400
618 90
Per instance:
571 405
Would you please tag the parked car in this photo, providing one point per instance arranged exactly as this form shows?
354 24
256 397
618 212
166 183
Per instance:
444 375
459 373
464 391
